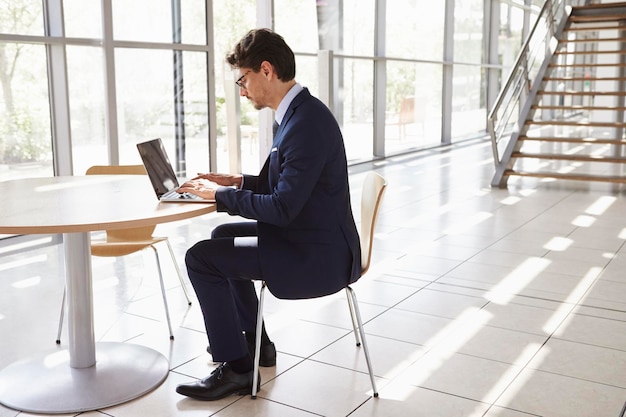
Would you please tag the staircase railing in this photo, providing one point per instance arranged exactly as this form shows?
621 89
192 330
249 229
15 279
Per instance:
504 118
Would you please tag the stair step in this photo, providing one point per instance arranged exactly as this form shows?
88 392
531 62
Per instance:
594 40
574 123
582 93
598 18
574 177
599 6
577 158
549 78
577 108
592 28
586 140
611 52
589 65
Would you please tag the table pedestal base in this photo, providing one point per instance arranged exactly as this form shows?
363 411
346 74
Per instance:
47 384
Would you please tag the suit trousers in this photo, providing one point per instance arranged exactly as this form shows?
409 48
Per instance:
222 271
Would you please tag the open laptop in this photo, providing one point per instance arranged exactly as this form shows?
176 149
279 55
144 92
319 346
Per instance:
162 174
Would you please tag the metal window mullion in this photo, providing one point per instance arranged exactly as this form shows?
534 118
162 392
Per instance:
179 92
446 88
58 89
212 108
380 78
492 35
265 18
110 91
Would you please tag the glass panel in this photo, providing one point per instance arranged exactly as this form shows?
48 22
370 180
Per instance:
468 31
415 29
86 90
296 21
142 20
355 110
358 27
25 144
144 100
307 73
468 105
309 26
21 17
510 39
196 112
193 21
413 116
83 18
146 107
231 24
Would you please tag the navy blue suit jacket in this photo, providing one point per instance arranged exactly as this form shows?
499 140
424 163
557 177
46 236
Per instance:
308 241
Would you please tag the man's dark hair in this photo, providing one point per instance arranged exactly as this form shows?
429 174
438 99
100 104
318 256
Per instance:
260 45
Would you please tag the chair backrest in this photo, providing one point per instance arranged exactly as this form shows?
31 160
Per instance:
124 235
117 170
371 197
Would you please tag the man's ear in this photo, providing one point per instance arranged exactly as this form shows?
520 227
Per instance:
267 69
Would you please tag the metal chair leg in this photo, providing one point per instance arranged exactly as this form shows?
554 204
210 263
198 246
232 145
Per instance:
167 310
257 342
355 326
61 317
355 305
180 277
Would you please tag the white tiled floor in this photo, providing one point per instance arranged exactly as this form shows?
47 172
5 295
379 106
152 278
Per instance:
480 302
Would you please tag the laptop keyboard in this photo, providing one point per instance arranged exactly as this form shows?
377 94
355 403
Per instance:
173 194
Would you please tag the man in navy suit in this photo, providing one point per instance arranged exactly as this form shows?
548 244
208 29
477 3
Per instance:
302 241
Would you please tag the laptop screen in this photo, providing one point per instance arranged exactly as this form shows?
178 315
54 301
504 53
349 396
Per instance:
158 166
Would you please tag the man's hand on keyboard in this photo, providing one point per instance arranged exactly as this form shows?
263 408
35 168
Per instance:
199 187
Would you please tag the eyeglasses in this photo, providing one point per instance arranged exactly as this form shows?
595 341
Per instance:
239 81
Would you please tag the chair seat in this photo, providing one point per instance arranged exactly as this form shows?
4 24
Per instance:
112 249
117 249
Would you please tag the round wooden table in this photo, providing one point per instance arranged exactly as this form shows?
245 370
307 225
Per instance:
87 375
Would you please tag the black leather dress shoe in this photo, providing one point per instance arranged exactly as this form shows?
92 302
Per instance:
268 354
222 382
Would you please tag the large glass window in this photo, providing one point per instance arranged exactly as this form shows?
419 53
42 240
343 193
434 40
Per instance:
297 22
21 17
87 103
151 20
356 107
413 116
346 28
83 18
468 31
357 29
413 102
469 115
229 25
162 78
144 98
25 145
142 20
414 33
510 36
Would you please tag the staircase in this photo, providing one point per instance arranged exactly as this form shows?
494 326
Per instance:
570 123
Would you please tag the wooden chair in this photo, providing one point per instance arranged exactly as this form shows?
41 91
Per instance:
371 198
123 242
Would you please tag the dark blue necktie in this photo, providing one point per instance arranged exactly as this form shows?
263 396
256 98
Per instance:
274 128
